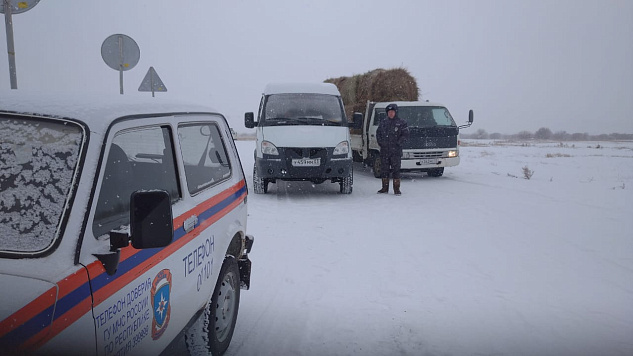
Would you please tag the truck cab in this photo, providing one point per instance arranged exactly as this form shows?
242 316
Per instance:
302 135
433 141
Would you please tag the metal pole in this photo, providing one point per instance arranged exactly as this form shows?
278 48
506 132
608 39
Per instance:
121 63
151 81
8 21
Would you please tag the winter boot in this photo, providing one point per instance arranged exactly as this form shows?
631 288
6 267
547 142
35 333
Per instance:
396 187
385 186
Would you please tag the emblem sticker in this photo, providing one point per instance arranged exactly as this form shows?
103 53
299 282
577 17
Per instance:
161 303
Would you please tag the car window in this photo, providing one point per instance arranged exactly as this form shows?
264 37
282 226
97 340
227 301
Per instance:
38 159
379 115
204 155
139 159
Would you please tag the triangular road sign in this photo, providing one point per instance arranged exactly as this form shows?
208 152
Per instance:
152 82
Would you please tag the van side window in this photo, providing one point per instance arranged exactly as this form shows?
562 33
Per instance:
139 159
204 156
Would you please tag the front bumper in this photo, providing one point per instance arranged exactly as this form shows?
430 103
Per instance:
428 163
244 263
281 167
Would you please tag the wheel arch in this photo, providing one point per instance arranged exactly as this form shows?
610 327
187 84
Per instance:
236 246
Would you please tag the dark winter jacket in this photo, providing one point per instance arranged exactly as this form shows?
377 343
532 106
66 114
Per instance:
391 134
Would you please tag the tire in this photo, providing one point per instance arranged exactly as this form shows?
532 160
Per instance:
346 184
213 331
436 172
260 185
376 162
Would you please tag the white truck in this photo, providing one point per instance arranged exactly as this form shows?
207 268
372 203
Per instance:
302 135
433 141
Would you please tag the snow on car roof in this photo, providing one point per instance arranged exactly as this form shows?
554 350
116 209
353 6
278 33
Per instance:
97 110
287 88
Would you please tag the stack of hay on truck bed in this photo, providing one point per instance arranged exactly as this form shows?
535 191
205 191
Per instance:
378 85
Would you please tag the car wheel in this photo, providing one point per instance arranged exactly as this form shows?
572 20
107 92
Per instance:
346 184
376 165
260 185
436 172
213 331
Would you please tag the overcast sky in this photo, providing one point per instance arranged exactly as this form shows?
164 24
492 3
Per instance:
520 65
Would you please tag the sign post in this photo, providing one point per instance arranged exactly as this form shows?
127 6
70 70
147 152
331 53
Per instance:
10 7
120 53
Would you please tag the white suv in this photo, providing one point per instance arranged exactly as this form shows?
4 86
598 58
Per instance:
122 223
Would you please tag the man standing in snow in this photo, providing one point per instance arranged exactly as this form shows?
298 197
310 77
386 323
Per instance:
391 134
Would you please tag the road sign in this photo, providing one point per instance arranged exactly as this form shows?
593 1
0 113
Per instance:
121 53
18 6
152 82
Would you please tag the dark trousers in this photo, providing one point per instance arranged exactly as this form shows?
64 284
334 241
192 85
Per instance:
390 163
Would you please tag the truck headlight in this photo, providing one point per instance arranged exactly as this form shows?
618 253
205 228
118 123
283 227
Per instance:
342 148
269 149
452 154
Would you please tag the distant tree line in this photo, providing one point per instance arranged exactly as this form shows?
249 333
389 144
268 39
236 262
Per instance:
546 134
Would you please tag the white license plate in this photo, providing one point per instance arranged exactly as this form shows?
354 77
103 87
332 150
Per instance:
306 162
428 161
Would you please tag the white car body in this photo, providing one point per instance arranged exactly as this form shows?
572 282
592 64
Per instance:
306 134
60 298
428 149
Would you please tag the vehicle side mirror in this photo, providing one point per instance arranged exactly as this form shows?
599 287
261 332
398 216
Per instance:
357 121
249 120
151 221
470 120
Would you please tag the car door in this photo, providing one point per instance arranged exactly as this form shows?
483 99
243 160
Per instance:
134 309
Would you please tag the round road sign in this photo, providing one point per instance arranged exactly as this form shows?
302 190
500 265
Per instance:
120 52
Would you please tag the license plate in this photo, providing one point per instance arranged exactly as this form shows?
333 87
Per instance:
428 161
306 162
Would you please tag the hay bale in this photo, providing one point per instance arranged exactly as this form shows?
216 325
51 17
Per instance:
376 85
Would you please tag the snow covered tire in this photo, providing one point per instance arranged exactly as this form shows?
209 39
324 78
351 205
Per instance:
436 172
346 184
211 334
260 185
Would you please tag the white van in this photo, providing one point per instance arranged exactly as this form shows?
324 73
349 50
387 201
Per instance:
122 225
302 135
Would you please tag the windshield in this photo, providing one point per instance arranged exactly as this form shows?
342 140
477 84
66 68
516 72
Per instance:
38 159
302 109
422 116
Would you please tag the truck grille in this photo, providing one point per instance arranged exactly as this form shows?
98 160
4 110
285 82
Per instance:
432 154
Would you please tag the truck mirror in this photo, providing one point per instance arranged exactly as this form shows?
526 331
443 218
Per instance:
470 116
249 120
151 219
357 120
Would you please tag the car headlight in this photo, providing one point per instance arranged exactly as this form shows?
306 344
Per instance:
269 149
452 154
342 148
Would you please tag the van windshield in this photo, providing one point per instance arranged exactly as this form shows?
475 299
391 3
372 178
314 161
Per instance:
303 109
38 159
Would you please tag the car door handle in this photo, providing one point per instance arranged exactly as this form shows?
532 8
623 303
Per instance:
190 223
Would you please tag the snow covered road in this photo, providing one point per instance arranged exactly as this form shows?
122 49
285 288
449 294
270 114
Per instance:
478 262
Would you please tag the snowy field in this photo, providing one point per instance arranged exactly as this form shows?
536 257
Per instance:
481 261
